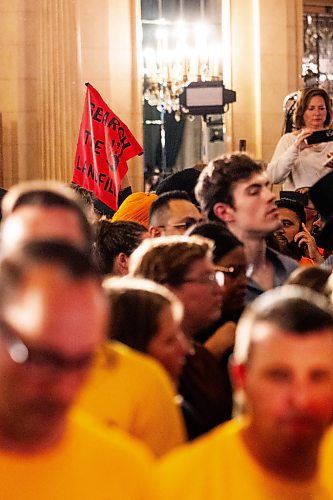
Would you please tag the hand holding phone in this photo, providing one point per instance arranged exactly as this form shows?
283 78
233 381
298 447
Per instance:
328 161
320 136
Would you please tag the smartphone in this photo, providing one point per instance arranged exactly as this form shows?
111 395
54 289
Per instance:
320 136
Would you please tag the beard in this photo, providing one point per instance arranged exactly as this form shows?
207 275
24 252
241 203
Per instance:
35 422
291 249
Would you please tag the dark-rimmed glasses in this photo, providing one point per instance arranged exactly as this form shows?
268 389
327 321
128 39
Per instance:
213 278
43 359
182 225
234 272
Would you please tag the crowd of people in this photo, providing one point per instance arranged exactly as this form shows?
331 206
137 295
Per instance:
180 349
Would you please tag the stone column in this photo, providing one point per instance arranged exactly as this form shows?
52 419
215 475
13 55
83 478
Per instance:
48 50
265 47
58 107
111 61
18 91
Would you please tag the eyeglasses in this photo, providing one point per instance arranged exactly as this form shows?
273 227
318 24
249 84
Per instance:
214 278
42 359
235 272
182 225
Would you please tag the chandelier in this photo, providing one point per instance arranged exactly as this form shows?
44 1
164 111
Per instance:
317 67
183 54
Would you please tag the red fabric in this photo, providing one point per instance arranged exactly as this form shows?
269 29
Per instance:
306 261
103 148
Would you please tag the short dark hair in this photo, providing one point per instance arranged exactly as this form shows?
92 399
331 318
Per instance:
88 197
47 194
302 104
217 181
301 197
294 309
113 238
14 267
184 180
294 206
224 240
162 202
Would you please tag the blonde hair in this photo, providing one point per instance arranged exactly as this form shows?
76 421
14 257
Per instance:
167 259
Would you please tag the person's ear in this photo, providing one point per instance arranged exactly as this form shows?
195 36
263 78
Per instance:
121 264
224 212
154 232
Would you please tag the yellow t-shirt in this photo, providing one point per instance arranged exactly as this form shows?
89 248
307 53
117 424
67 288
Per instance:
326 459
218 466
88 463
130 390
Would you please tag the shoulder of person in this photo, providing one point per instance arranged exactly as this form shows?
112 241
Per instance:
289 138
288 263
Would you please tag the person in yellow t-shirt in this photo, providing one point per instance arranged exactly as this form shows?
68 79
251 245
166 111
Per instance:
53 316
86 463
129 390
283 369
137 395
326 457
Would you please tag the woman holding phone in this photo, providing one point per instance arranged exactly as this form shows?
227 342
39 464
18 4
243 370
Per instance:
296 163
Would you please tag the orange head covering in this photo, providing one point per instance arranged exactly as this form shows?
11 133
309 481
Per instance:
135 208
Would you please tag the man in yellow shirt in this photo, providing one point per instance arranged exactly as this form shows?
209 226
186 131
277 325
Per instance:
53 316
125 388
283 369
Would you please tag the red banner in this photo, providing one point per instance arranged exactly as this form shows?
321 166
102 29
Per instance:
103 148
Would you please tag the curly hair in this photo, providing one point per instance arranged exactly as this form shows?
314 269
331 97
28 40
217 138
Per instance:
217 180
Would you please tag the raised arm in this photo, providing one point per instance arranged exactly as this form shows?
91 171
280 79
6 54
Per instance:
285 155
283 160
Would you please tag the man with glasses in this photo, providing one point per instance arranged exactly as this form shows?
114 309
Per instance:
235 190
53 316
172 213
184 265
48 210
